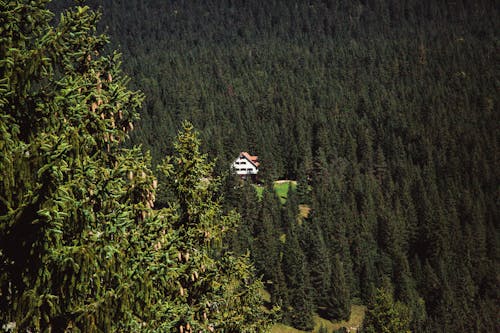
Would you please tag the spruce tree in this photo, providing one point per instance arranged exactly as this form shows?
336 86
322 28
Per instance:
319 264
337 304
68 204
298 283
214 289
383 315
267 250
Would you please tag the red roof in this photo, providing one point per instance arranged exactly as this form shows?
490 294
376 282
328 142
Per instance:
252 159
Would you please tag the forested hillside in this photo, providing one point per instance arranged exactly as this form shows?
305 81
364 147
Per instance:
384 111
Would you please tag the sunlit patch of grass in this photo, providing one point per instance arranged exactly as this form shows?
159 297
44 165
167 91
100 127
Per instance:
280 187
354 322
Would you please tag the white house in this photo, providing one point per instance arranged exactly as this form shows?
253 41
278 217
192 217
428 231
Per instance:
246 165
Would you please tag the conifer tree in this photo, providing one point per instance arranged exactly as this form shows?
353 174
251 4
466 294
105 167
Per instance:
267 253
68 204
383 315
303 191
217 290
337 303
298 283
319 265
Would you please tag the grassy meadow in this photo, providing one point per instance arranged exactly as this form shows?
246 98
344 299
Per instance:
353 324
280 187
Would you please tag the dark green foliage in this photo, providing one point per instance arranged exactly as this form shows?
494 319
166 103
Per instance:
323 329
319 267
81 247
337 305
68 210
294 264
267 250
216 289
383 111
383 315
341 330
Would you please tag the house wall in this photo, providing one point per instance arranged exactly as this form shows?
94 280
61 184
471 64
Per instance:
242 166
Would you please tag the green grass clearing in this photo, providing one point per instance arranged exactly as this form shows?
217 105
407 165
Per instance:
354 323
280 187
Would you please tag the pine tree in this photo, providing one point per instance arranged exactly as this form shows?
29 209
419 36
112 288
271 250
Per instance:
217 290
338 303
303 191
384 315
319 265
266 253
68 204
298 283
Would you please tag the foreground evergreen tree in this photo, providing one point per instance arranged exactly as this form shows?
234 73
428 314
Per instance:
217 290
80 246
67 209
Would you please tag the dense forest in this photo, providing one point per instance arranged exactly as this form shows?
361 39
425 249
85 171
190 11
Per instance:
385 112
